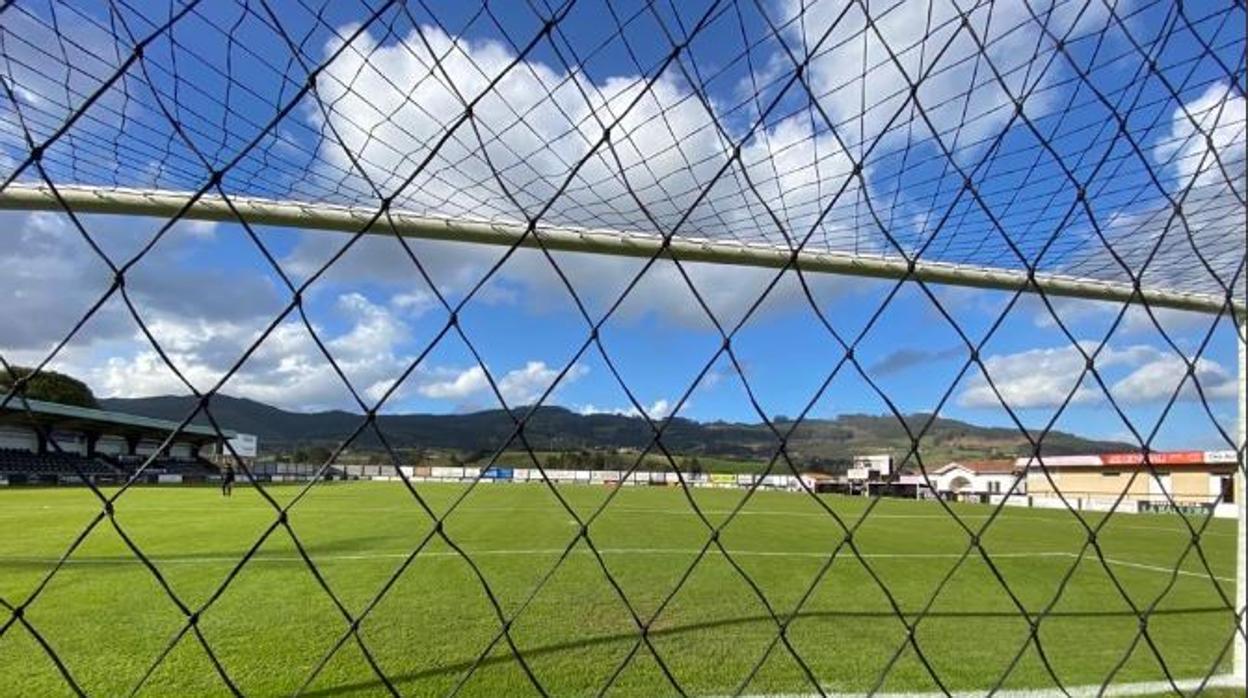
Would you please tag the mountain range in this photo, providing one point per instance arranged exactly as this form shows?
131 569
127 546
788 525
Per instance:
558 429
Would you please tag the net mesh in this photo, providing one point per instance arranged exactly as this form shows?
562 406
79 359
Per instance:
1098 140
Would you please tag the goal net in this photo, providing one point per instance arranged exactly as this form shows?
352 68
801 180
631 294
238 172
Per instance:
908 210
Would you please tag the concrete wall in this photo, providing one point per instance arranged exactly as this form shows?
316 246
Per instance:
1186 486
111 445
147 447
16 437
68 442
1074 483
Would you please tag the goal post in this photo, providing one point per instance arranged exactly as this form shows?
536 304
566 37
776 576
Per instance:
1241 492
312 216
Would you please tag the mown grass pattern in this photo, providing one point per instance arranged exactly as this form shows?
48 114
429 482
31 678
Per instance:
105 617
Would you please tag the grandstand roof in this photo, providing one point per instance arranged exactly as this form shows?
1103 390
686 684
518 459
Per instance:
70 417
1156 458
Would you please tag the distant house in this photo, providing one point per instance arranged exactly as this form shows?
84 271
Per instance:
976 480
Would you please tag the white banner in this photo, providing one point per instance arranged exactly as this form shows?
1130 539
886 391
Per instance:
245 445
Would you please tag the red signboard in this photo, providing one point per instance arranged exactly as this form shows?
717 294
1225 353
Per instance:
1159 458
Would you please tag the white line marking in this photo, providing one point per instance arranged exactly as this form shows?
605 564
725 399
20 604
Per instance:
1126 689
211 559
1154 568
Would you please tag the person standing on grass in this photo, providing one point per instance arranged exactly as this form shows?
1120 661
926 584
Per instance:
227 481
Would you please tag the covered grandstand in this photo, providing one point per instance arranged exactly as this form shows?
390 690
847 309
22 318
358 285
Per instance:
50 443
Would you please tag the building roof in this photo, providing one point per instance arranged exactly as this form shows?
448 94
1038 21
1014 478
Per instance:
982 467
1119 460
52 415
812 475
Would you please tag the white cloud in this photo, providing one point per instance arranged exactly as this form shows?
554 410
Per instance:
521 386
959 92
1212 225
1077 311
375 329
524 386
287 369
391 103
1032 378
1215 118
529 281
1156 381
1209 235
52 278
414 303
201 230
468 382
204 318
659 409
1044 378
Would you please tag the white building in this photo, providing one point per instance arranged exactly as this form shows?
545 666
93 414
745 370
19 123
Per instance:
867 470
977 480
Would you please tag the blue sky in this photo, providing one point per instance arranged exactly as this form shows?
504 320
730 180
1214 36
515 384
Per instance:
205 290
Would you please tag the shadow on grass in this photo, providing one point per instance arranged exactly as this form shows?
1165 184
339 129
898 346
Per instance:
555 648
125 558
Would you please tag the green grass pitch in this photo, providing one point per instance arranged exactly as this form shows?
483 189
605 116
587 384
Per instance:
107 617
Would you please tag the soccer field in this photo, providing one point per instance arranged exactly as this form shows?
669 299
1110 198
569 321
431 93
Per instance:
107 618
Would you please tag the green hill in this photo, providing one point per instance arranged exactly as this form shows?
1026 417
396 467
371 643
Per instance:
558 429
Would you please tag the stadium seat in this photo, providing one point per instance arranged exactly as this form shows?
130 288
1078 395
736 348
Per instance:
15 461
